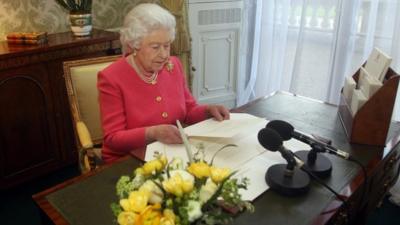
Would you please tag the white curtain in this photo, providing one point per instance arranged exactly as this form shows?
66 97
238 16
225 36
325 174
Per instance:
270 32
308 47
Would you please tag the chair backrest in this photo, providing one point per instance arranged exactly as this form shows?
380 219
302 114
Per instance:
81 82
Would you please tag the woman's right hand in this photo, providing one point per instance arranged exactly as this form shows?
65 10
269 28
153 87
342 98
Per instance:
168 134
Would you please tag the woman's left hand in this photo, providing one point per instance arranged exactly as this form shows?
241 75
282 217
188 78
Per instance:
219 112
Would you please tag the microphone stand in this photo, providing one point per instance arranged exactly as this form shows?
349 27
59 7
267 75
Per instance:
318 164
288 179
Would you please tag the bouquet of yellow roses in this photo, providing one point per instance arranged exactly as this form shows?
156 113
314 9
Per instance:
169 193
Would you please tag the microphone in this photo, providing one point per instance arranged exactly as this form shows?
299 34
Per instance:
319 165
285 179
287 131
270 140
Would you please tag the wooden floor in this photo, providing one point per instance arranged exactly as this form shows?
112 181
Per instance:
17 206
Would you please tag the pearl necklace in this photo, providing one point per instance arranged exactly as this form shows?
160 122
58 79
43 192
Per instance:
147 79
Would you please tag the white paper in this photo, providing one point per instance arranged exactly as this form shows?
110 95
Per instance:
378 64
243 133
248 157
254 170
349 86
368 84
224 129
357 101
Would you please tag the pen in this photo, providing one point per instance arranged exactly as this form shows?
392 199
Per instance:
185 141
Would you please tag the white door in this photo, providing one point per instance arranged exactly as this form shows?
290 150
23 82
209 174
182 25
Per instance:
215 29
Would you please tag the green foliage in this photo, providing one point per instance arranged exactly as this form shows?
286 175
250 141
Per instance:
230 193
116 209
205 202
76 6
183 216
215 216
124 187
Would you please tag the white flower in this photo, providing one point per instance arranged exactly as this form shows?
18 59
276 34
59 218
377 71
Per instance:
138 181
184 174
193 210
156 195
207 190
176 164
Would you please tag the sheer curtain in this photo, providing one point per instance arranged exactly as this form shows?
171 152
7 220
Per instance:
268 52
378 24
308 47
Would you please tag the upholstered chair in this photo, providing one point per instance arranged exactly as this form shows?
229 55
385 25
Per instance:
81 80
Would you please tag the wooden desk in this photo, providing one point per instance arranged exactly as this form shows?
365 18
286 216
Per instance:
86 199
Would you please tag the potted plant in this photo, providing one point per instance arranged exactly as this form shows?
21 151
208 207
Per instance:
80 15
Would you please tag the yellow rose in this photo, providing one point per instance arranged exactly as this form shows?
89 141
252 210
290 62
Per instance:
219 174
152 166
124 203
169 213
151 215
166 221
179 183
139 171
199 169
127 218
168 217
187 186
156 194
174 185
136 202
163 160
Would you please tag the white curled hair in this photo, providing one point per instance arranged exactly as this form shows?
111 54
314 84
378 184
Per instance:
141 21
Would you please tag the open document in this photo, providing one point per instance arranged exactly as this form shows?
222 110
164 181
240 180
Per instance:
230 143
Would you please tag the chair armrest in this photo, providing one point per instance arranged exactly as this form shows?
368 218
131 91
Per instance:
84 136
87 155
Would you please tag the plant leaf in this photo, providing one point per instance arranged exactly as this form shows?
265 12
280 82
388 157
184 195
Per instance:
223 147
63 4
218 192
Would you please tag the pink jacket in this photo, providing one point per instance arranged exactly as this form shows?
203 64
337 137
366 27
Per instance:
128 105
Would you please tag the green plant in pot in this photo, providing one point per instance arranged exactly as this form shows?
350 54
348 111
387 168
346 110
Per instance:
80 15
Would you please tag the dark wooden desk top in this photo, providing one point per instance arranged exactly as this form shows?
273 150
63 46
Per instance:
17 55
55 41
86 199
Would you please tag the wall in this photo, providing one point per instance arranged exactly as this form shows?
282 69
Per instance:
47 15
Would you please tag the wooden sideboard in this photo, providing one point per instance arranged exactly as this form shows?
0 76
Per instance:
36 135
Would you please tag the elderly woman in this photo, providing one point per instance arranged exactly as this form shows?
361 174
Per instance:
144 93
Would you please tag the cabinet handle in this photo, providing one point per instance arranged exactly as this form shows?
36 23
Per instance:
385 188
389 165
342 218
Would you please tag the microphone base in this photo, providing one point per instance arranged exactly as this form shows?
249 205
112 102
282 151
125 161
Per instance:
294 185
322 167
